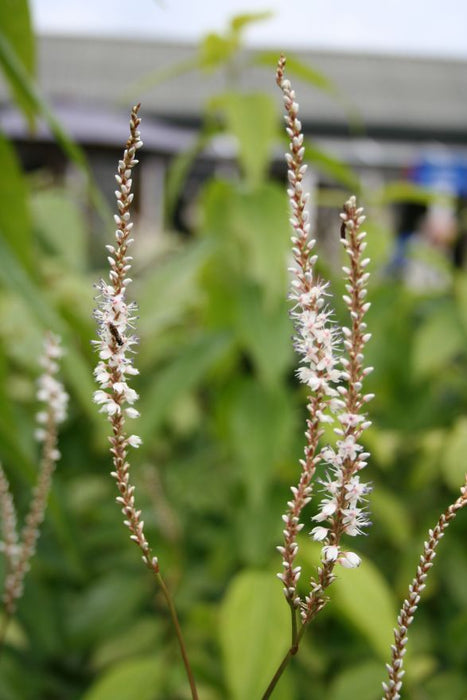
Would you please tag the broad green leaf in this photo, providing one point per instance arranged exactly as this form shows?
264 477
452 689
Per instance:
261 328
363 596
327 164
15 218
251 118
216 50
106 606
361 681
171 289
260 225
391 513
254 633
437 341
136 679
138 639
179 377
450 684
260 427
61 226
16 29
454 455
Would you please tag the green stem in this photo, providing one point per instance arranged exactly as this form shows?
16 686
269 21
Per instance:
3 630
178 632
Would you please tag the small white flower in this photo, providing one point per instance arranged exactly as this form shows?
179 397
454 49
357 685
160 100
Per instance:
349 560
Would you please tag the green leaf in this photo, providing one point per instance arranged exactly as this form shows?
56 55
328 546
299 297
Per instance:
391 513
363 596
15 218
296 68
334 168
16 30
216 50
437 341
61 226
252 120
254 632
259 224
136 679
179 377
453 456
261 328
240 22
30 95
362 681
13 275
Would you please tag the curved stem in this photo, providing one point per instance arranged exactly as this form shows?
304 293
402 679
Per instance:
178 632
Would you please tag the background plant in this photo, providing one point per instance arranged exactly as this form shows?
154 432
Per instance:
87 623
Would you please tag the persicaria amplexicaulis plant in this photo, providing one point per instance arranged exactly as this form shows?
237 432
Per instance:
331 366
19 548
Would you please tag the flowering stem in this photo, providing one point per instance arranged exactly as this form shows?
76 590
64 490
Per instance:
115 317
409 607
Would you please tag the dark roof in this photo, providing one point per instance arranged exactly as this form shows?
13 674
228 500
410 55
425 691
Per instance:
391 93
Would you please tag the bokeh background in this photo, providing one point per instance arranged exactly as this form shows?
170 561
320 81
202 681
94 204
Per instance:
383 93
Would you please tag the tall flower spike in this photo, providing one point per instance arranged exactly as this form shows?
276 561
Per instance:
315 339
342 510
395 668
55 399
115 317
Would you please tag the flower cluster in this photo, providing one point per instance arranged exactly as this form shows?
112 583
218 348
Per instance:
115 318
54 398
331 366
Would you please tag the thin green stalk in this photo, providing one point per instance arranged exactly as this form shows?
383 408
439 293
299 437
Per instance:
178 632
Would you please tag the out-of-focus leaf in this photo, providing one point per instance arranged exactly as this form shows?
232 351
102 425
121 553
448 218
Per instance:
14 276
260 225
181 376
334 168
16 29
254 634
60 224
240 22
390 513
136 679
15 219
450 685
437 341
454 455
171 289
216 50
137 640
107 606
25 86
298 69
403 191
260 427
180 167
261 328
363 596
251 118
362 681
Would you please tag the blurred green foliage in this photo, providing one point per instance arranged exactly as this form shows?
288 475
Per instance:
222 422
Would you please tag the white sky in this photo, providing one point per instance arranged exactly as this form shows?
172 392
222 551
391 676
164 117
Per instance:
425 27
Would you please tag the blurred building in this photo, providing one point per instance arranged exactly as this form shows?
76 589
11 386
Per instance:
385 110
